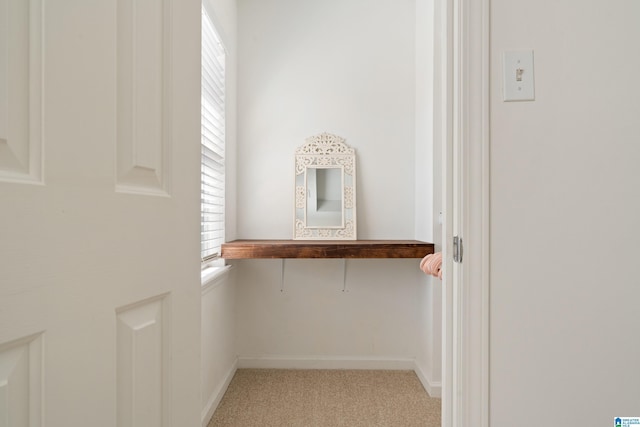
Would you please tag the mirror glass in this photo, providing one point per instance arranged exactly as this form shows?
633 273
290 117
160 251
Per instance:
324 197
325 189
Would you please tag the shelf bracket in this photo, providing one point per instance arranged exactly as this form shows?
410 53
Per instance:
344 275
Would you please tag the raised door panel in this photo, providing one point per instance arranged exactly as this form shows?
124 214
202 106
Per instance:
143 368
21 91
21 382
143 161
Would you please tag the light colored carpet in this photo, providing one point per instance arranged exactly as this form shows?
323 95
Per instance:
326 398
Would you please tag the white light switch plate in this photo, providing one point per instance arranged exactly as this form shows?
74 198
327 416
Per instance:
518 76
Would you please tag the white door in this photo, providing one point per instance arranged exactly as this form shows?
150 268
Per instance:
99 232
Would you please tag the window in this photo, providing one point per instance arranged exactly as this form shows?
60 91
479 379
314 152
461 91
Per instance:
213 142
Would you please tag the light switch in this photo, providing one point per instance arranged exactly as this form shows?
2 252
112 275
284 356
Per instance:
518 76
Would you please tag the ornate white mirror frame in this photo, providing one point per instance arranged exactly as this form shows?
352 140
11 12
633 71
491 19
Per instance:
325 194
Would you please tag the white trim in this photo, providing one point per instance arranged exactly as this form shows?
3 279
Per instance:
217 395
485 209
325 362
443 126
433 388
474 124
212 277
465 133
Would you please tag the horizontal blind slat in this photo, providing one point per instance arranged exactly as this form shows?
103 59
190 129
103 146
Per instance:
213 140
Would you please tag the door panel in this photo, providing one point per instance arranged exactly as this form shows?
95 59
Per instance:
143 368
99 234
21 382
143 71
21 30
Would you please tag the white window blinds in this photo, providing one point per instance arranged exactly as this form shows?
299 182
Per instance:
213 141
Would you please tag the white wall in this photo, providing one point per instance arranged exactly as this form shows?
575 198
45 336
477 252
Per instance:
427 190
218 328
312 322
348 68
343 67
564 216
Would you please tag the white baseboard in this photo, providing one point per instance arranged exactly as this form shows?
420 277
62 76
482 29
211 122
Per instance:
216 396
323 362
433 388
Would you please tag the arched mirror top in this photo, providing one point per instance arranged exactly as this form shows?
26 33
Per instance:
325 149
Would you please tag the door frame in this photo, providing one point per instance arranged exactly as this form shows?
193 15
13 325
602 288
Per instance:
462 113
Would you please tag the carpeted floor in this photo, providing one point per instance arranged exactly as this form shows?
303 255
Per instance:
326 398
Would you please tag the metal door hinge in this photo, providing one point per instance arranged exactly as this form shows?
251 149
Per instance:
457 249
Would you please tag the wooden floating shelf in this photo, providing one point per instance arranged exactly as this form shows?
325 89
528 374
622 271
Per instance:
249 249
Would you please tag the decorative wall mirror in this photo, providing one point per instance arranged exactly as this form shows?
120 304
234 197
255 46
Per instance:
325 199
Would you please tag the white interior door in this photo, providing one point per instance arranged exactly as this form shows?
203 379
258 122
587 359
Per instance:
99 232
